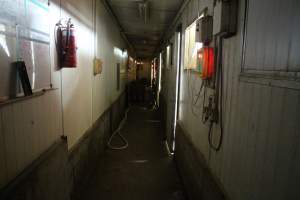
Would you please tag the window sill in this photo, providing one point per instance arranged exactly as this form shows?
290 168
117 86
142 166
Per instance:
273 80
24 98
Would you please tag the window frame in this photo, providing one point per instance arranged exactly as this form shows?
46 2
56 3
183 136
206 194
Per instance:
282 79
187 59
261 73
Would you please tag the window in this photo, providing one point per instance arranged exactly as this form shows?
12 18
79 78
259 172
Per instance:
272 41
191 46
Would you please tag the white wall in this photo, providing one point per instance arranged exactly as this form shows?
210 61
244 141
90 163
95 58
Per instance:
28 128
260 156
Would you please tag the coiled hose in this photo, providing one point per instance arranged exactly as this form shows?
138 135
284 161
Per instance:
117 132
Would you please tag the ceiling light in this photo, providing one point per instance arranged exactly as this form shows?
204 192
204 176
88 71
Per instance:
143 7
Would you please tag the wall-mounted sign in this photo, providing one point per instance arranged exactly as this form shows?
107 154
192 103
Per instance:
97 66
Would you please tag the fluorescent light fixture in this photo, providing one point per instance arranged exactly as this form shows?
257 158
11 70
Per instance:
160 65
144 10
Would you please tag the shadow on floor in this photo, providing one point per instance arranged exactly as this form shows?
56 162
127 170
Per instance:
143 171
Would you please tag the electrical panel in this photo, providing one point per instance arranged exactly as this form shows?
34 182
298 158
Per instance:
225 17
204 28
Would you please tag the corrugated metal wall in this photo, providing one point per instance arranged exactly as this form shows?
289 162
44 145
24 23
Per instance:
29 127
260 156
275 47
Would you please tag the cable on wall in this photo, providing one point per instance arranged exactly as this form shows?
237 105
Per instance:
217 114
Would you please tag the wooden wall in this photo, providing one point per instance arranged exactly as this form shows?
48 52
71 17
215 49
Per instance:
260 155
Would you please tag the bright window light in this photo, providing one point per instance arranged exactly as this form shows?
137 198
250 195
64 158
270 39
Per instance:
191 45
3 43
177 89
160 65
198 46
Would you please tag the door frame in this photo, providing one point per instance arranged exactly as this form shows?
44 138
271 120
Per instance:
178 85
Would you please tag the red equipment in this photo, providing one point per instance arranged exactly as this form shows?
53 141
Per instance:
206 62
66 45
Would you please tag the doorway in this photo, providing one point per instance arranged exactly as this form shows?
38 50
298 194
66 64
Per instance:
173 88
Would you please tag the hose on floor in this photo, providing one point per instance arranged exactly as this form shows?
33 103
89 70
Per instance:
117 132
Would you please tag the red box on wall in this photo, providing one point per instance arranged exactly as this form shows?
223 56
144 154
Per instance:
206 62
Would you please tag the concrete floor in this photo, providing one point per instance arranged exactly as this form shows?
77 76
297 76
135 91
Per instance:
143 171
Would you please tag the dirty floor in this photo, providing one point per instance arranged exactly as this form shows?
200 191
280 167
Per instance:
143 171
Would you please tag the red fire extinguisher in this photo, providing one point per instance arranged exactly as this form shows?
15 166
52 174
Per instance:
66 45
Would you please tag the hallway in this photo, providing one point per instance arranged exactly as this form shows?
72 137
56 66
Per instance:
144 170
224 76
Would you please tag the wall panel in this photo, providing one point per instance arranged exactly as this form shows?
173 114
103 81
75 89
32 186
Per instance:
109 47
28 128
20 134
77 83
271 44
10 141
3 175
258 158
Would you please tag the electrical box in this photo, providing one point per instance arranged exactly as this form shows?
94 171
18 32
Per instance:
204 30
225 17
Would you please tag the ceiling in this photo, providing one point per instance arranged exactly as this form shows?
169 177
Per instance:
144 36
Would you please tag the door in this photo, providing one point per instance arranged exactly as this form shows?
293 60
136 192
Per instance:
173 88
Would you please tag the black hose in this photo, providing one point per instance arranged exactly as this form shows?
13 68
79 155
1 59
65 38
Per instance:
218 101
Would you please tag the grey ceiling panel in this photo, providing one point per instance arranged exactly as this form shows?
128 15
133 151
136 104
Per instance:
132 15
167 5
143 28
145 37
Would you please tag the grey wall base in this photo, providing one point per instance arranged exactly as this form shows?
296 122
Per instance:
197 178
46 178
86 153
59 173
163 114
